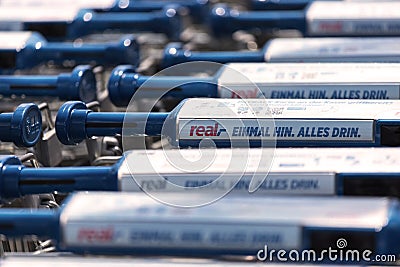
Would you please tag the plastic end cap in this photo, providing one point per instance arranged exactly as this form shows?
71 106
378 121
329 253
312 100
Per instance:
220 10
26 125
9 160
84 83
9 188
173 54
131 52
219 22
171 22
171 10
118 95
64 125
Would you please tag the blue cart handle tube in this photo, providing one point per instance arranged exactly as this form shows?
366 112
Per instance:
88 21
75 123
174 53
36 50
29 49
80 84
17 180
279 50
23 127
224 21
125 51
124 83
167 21
40 222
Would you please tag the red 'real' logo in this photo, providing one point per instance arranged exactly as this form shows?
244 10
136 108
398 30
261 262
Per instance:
206 130
96 235
330 26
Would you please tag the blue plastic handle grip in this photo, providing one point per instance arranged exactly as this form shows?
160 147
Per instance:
17 180
87 21
124 83
37 50
23 127
40 222
224 21
75 123
174 54
80 84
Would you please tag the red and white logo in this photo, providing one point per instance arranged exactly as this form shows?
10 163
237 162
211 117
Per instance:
209 130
